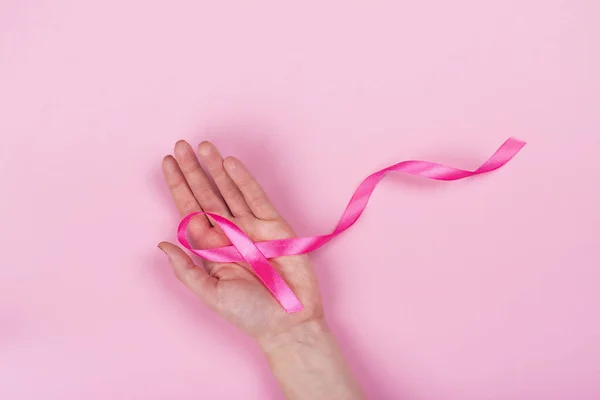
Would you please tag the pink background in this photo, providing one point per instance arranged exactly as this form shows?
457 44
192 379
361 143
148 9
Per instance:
492 282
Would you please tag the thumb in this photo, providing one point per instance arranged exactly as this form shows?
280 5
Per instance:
193 276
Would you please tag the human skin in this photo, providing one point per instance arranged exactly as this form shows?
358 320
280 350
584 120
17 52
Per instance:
301 350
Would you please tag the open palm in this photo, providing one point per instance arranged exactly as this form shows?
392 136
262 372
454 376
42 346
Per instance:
232 289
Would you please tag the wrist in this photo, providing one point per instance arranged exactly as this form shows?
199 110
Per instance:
305 334
308 363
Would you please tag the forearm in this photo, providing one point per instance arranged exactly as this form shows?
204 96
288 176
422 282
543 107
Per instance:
308 364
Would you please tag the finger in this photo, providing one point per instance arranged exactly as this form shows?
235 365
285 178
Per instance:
213 162
254 194
207 196
182 195
193 276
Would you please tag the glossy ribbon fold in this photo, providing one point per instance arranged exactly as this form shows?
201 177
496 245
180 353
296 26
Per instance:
256 254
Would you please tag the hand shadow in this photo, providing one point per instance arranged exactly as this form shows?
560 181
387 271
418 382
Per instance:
259 149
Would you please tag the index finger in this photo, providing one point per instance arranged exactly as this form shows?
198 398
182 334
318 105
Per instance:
184 199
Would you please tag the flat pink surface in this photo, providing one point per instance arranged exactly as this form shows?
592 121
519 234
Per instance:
494 279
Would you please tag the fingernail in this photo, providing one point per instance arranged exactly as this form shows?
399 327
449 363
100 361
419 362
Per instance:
229 163
163 250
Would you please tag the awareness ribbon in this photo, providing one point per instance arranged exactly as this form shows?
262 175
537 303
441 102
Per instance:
242 248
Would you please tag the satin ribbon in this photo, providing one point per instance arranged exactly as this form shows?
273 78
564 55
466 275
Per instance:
256 254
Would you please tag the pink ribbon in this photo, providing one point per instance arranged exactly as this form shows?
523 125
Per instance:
256 254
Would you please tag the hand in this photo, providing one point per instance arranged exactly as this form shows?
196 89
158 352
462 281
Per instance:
302 352
232 289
